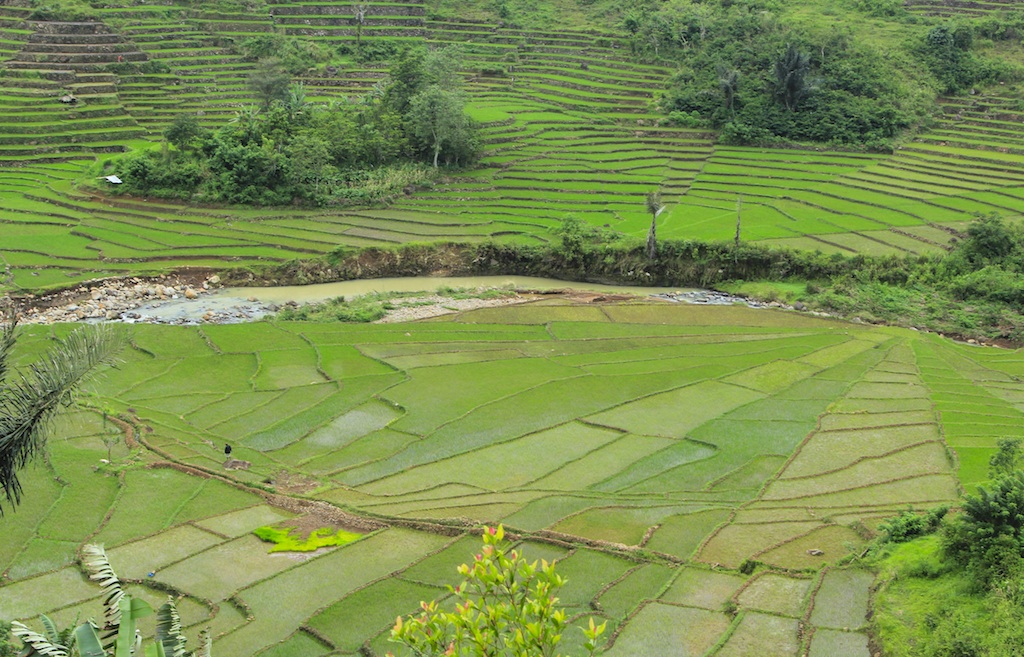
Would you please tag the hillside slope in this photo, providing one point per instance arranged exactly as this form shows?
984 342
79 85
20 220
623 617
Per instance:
570 126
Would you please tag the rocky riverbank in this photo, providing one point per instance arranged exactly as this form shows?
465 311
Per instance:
163 300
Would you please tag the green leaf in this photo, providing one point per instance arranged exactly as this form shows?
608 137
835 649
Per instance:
31 401
126 630
88 641
140 608
155 650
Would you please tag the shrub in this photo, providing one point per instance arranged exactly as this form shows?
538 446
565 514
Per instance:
62 10
294 54
504 606
988 537
910 525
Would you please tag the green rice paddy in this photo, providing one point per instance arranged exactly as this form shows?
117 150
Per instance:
651 449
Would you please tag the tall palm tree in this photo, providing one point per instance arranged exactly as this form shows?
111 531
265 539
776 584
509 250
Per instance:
359 17
791 77
30 401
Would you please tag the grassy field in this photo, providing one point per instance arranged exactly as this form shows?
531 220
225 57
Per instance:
568 126
651 449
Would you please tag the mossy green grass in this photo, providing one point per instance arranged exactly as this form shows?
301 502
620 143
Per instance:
287 539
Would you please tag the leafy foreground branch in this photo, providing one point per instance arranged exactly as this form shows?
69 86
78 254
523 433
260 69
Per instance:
505 607
118 636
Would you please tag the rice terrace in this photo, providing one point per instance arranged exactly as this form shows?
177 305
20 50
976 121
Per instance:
821 459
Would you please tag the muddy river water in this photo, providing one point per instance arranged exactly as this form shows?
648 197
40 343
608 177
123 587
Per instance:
308 293
168 301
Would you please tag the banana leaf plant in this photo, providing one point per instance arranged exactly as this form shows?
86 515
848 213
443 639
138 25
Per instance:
119 635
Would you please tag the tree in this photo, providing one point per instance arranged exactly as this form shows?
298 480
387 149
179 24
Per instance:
7 649
441 67
247 121
1005 460
654 206
791 83
269 82
118 636
437 117
311 162
505 607
184 132
990 240
359 16
29 403
295 103
405 79
729 85
947 49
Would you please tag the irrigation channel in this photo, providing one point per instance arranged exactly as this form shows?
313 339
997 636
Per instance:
120 301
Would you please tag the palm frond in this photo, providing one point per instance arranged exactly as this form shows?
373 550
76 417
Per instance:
36 643
28 404
168 629
94 559
7 339
51 628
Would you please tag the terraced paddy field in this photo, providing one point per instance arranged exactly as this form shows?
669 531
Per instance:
652 449
568 126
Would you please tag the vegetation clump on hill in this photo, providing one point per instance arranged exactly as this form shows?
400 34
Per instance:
288 150
748 69
975 289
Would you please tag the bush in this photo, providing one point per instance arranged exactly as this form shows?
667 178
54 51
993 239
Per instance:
362 309
370 50
62 10
910 525
743 134
295 55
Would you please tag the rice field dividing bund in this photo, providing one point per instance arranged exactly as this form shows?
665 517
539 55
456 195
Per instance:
652 449
568 124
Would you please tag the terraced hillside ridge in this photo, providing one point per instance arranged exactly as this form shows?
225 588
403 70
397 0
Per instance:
959 7
568 124
707 436
65 60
